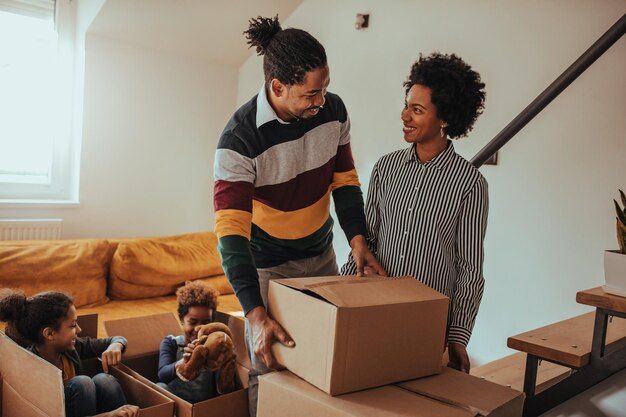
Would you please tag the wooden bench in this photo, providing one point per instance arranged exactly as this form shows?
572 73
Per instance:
567 342
596 297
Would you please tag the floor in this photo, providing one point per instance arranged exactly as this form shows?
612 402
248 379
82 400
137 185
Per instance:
606 399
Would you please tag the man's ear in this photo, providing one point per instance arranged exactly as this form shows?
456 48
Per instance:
277 89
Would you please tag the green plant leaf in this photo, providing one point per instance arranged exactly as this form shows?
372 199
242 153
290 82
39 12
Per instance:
623 197
621 236
620 214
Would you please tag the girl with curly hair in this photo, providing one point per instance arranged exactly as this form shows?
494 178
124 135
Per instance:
47 322
427 206
196 306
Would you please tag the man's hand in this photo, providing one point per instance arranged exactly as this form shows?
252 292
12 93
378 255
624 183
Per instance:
459 358
112 356
264 332
365 262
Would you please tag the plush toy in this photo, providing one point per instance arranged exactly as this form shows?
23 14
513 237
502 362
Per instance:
213 351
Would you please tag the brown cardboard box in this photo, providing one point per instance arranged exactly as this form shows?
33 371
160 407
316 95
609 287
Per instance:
283 394
34 387
470 393
236 322
30 385
357 333
150 401
242 372
141 360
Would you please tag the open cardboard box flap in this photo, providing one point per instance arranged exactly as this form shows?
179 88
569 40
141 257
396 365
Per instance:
236 322
480 397
150 401
144 334
343 291
44 398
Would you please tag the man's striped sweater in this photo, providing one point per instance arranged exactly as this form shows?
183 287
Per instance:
273 182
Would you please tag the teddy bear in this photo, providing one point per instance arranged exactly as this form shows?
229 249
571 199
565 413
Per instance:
213 351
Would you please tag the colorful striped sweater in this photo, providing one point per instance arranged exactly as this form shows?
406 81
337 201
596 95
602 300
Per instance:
273 182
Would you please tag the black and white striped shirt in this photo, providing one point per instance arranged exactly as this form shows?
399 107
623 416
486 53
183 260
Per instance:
429 220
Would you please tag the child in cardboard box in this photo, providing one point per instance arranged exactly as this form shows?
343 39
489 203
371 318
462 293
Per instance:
196 306
48 320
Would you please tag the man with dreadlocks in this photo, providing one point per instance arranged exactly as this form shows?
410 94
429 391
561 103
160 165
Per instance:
279 159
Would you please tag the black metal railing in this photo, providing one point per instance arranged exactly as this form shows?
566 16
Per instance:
561 83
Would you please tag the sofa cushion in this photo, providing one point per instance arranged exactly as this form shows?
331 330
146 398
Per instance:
75 267
153 267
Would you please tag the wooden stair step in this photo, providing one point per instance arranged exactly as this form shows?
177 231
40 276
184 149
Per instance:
509 371
567 342
596 297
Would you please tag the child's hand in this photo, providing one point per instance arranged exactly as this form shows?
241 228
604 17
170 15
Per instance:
189 349
124 411
112 356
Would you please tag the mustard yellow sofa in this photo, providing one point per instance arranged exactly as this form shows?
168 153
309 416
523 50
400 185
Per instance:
117 278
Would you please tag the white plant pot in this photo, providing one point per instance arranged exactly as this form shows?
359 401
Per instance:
615 273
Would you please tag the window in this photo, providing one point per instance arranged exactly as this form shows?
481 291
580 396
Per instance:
36 152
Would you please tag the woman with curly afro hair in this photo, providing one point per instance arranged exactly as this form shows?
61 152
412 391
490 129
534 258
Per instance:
197 303
427 206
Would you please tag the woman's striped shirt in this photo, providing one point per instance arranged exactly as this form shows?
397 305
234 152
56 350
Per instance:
428 221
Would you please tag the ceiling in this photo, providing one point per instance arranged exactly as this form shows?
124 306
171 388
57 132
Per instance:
204 29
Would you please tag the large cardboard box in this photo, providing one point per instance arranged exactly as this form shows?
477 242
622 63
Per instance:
357 333
141 361
34 387
283 394
480 397
449 394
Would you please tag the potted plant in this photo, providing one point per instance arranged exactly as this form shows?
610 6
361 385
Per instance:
615 261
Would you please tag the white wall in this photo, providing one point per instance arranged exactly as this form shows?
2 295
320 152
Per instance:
151 124
551 210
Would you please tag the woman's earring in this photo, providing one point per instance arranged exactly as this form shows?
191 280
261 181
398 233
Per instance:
442 133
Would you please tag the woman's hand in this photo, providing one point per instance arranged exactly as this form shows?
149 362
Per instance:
459 359
112 356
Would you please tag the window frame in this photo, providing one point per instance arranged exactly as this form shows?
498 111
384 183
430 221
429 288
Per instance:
63 188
